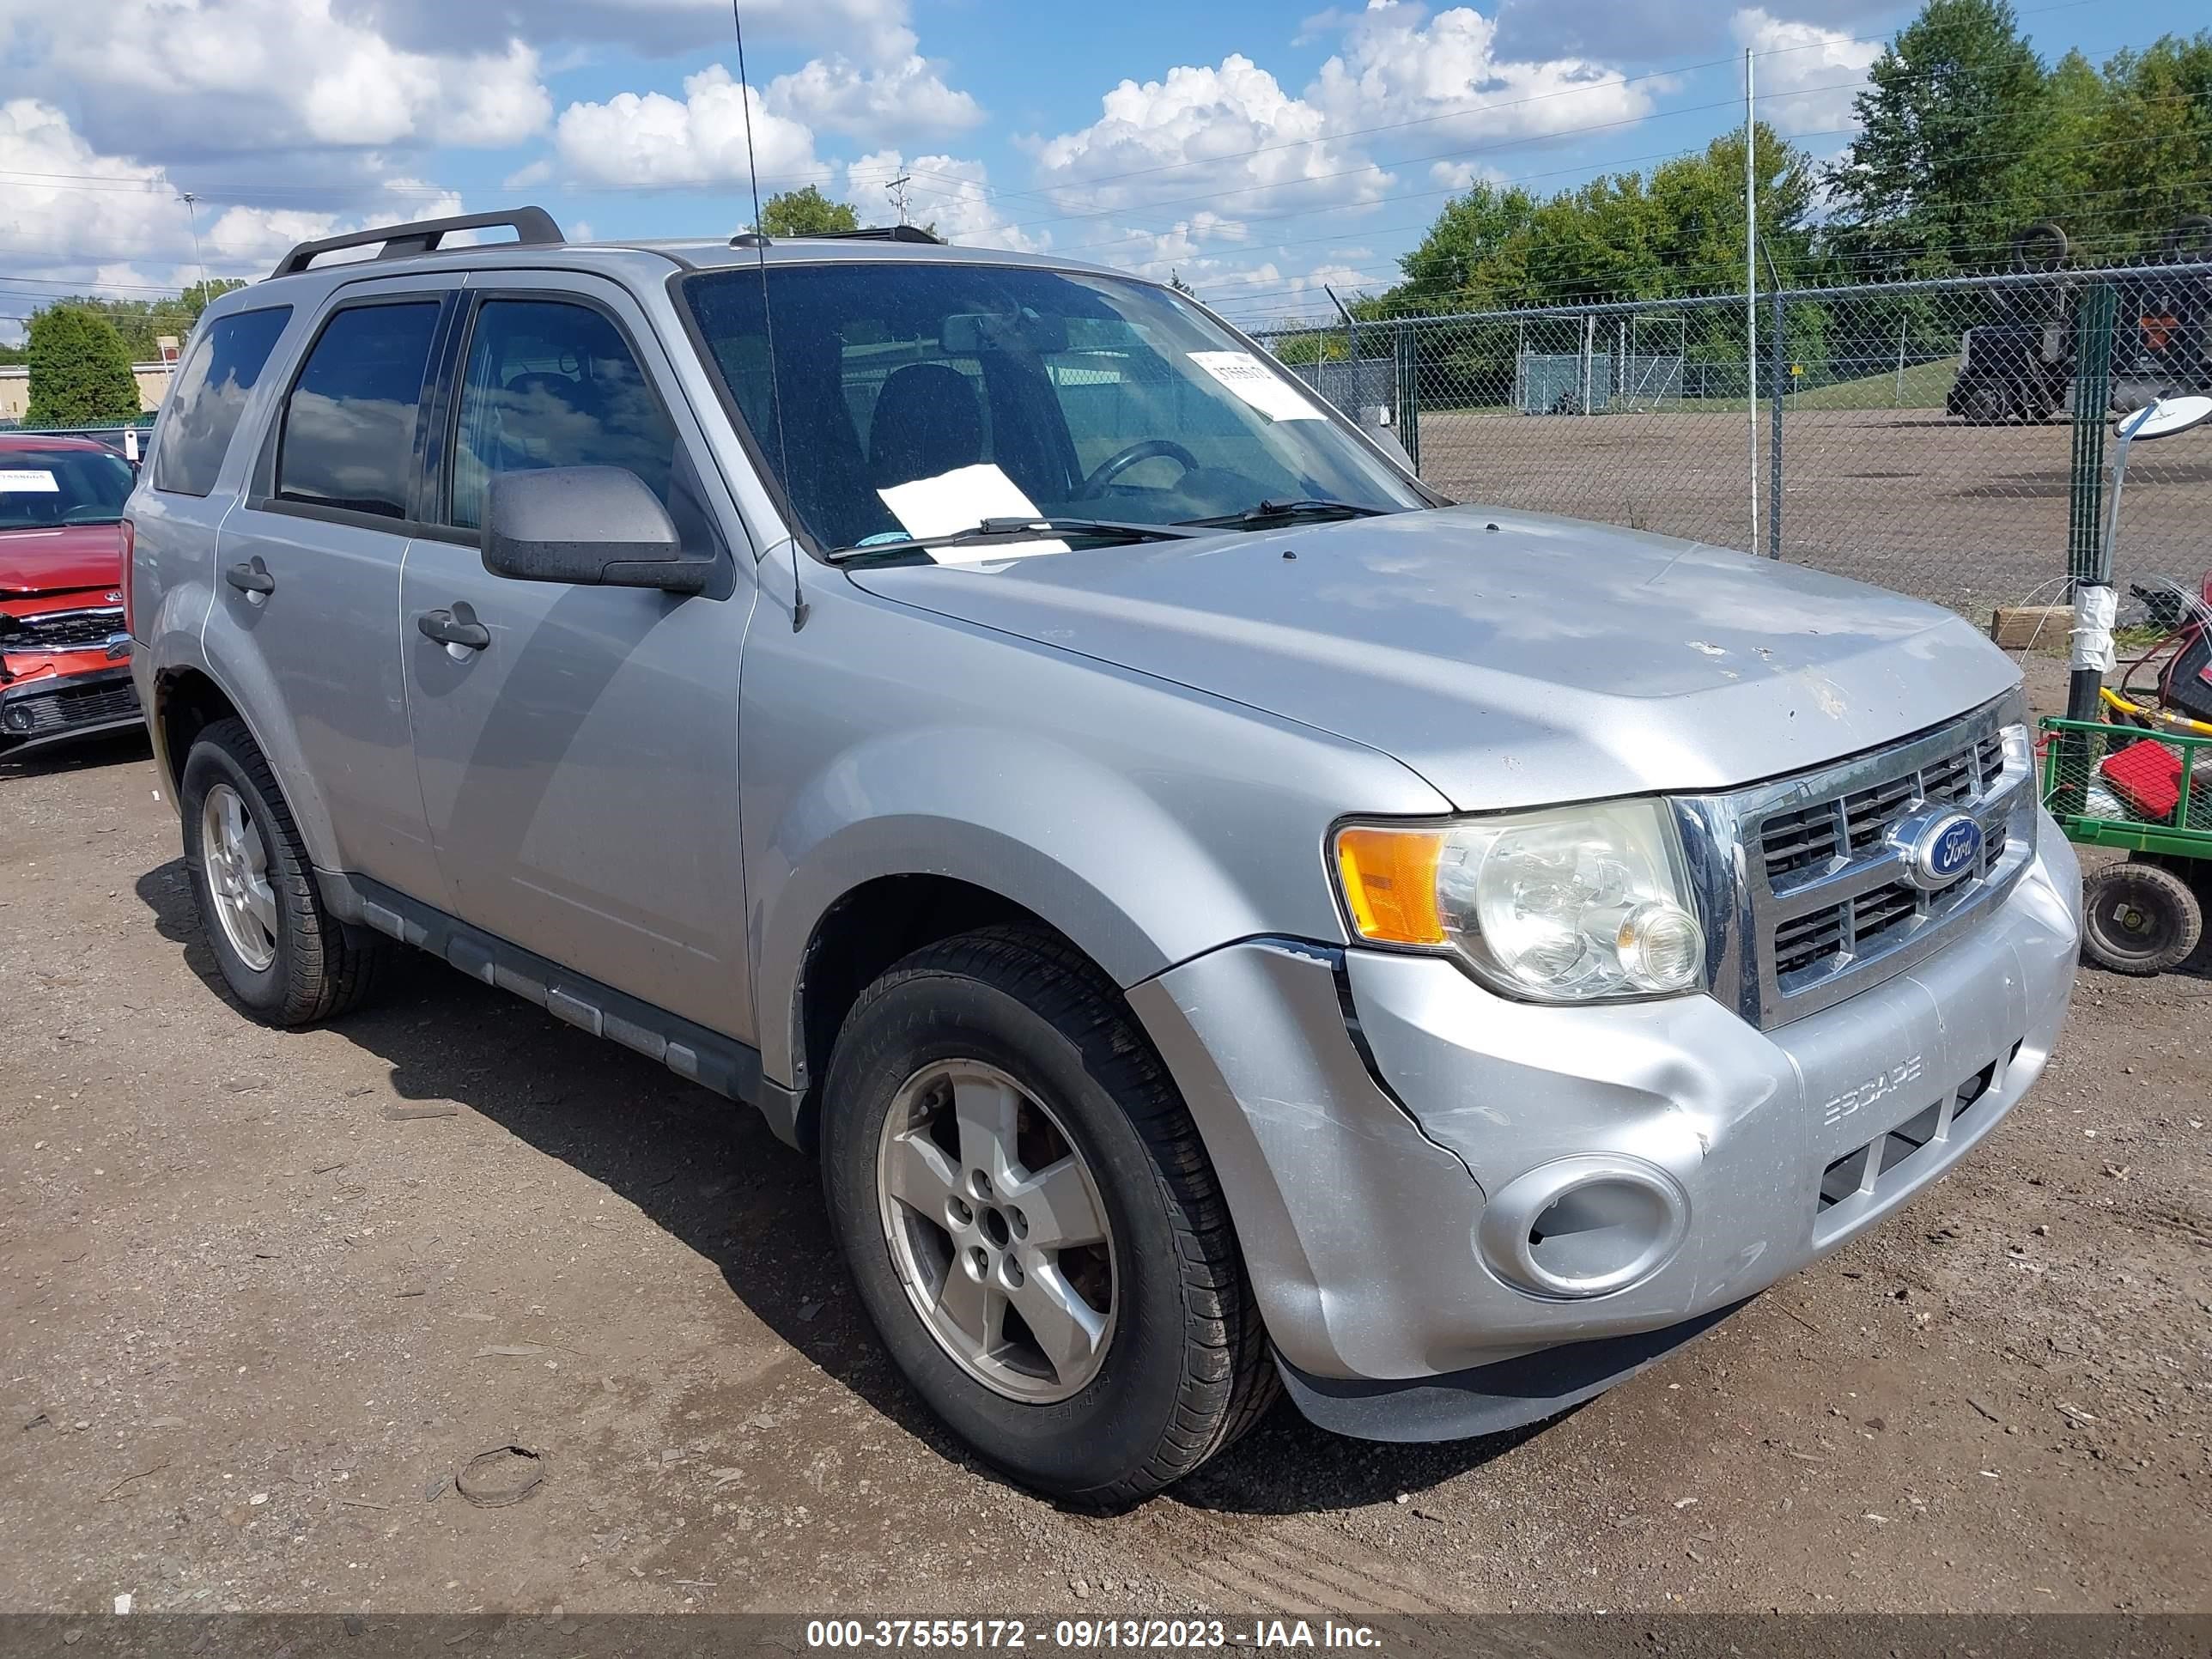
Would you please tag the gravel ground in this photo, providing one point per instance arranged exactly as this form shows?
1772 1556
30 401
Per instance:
1969 516
265 1293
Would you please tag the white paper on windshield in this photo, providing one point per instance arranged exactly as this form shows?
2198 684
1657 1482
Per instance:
958 499
1257 385
26 482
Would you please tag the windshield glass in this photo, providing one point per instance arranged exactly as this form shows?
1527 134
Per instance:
40 488
1017 391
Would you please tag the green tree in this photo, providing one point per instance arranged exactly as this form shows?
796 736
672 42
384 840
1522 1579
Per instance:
80 371
1953 128
2152 163
806 212
1625 235
1310 345
141 322
1474 258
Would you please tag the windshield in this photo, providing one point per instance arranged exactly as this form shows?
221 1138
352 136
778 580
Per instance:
40 488
920 398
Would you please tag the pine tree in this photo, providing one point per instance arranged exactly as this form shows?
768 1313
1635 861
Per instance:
80 372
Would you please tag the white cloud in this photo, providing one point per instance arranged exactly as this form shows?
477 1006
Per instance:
952 194
1806 76
643 26
1399 65
905 92
75 217
1203 131
209 76
1402 83
652 139
1458 175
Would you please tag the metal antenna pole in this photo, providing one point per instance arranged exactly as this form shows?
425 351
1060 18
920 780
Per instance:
799 608
1751 294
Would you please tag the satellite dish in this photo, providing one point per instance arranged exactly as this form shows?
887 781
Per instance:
2165 418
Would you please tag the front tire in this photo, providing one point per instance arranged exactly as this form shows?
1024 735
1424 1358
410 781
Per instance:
1032 1222
284 956
2139 918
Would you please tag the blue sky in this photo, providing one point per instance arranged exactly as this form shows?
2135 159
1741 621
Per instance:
1259 150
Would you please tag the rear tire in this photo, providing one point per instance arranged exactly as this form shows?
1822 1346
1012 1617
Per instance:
2139 919
1006 1049
284 956
1988 402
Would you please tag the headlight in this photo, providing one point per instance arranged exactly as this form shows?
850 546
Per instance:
1568 905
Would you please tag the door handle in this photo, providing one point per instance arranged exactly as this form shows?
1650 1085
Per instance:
251 577
458 627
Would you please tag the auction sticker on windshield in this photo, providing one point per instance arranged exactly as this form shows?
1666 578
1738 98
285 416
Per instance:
1257 385
26 482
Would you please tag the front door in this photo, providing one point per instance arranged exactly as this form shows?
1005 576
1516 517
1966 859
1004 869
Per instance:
580 771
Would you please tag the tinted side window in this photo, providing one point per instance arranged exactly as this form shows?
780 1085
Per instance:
348 438
209 397
552 384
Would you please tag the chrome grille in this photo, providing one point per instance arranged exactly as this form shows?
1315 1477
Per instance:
62 630
1823 907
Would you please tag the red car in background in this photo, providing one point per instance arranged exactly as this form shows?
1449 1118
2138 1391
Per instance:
64 650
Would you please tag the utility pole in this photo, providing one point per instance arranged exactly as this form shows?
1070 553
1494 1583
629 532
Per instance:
896 190
1751 296
191 218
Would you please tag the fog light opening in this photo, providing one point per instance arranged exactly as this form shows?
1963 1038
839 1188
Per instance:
1584 1226
1598 1232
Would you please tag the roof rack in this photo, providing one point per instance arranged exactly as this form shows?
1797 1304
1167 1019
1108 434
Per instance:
533 226
872 233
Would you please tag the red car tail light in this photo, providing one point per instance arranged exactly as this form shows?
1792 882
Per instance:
130 547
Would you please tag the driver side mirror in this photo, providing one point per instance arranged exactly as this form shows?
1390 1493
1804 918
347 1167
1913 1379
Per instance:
594 526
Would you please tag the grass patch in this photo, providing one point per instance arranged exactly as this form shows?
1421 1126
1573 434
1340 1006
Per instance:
1922 385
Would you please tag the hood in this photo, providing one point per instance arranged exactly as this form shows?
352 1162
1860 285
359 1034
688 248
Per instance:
1512 660
55 561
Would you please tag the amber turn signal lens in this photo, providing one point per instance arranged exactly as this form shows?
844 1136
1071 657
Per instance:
1389 879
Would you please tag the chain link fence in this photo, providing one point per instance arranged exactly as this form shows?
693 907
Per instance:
1942 438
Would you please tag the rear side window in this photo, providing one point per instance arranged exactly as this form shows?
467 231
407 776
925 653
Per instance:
209 397
349 436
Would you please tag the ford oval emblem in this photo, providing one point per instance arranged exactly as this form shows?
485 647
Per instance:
1938 848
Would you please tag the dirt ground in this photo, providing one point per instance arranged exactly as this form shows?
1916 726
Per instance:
263 1293
1969 516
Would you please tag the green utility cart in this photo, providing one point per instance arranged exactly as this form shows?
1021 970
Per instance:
2148 793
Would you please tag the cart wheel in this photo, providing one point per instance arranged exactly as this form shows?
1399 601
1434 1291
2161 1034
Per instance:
2196 873
2139 919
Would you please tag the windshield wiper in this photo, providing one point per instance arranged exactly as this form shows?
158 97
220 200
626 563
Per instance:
1021 530
1285 512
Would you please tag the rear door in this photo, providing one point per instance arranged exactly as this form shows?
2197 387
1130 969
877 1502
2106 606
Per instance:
580 771
310 570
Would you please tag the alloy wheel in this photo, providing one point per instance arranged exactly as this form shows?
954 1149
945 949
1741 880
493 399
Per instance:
235 860
997 1231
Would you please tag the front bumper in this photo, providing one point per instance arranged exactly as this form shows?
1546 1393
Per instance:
1373 1116
59 702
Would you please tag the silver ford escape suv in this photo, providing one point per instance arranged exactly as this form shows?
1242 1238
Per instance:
1221 917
